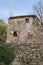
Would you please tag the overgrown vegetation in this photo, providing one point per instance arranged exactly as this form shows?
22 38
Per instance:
42 24
3 31
6 56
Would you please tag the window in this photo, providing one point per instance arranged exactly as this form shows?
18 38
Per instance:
15 34
27 20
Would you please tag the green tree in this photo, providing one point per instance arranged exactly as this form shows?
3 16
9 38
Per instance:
3 31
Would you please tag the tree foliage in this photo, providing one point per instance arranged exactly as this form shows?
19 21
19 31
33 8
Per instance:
6 56
3 31
42 24
38 9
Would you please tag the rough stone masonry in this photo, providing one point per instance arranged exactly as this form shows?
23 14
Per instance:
20 28
26 36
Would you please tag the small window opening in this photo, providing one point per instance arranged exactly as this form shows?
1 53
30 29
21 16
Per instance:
27 20
15 34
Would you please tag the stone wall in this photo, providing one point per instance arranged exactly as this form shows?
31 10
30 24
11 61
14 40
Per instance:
21 27
28 54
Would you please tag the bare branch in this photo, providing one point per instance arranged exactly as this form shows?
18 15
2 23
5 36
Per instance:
38 8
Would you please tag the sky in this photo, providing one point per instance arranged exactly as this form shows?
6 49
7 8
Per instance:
15 7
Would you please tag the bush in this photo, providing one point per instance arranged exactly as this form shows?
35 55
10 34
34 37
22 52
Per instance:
3 31
6 56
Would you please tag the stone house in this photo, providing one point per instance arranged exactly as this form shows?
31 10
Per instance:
19 27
